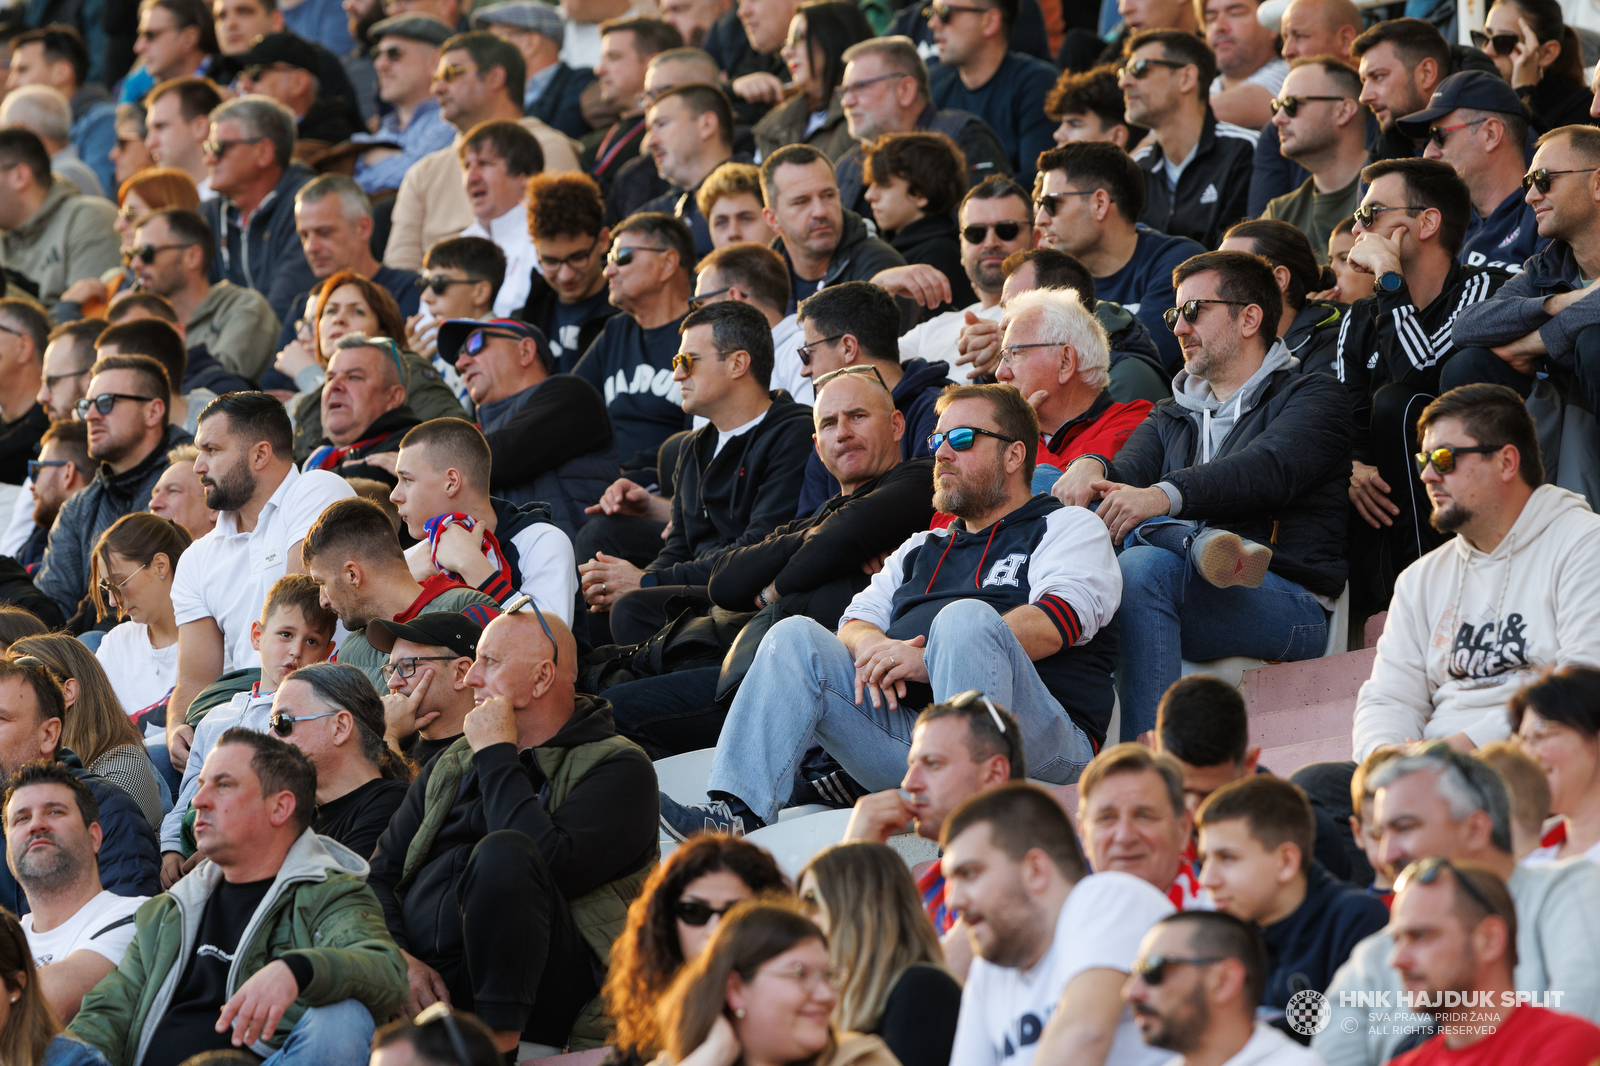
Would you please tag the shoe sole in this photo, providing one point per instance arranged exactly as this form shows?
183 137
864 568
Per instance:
1225 561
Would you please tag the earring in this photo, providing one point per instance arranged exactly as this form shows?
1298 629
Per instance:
738 1012
15 996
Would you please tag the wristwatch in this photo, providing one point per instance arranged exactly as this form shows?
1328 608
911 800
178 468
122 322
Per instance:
1391 280
649 581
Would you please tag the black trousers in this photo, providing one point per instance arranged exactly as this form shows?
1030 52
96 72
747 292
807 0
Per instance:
670 714
1473 365
509 949
1378 555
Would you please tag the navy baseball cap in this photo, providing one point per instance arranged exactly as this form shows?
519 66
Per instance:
1477 90
436 629
453 332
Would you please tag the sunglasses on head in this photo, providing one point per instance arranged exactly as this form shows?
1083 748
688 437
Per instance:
146 253
441 1014
438 283
1439 134
962 438
695 913
1152 969
283 724
1504 43
1290 105
525 602
1049 204
1427 871
859 370
1540 178
1444 459
1006 231
1190 310
623 256
1139 69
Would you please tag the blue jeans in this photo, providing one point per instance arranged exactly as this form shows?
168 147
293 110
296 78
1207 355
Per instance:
1170 613
339 1032
802 685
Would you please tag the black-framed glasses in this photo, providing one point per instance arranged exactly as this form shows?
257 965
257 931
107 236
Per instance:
685 360
146 253
1006 231
525 602
697 302
441 1014
574 262
1290 105
860 370
51 381
1367 214
478 338
805 349
111 591
1426 872
407 667
392 53
1152 969
283 724
1009 356
854 87
36 465
438 283
1049 204
697 913
1503 43
1439 134
962 438
149 35
105 402
943 11
1190 310
621 257
1139 69
1444 459
218 149
1540 178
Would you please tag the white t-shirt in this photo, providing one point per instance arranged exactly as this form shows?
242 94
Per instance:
1267 1047
1270 77
787 337
139 673
20 526
510 233
104 926
1004 1011
225 574
935 340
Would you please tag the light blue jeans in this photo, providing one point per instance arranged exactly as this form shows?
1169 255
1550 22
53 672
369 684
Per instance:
802 687
340 1032
1170 613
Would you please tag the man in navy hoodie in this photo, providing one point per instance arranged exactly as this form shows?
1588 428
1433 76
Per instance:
1014 599
1256 840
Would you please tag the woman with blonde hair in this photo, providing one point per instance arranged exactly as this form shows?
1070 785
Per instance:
95 730
762 993
146 192
30 1035
892 979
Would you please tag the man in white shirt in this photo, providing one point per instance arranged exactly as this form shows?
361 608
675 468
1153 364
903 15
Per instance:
497 160
247 467
1250 71
77 931
1195 988
1055 943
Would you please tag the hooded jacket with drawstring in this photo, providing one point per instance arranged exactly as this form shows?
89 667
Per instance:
858 256
1467 628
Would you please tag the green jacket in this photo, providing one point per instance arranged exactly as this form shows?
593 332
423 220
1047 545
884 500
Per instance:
68 239
237 327
319 907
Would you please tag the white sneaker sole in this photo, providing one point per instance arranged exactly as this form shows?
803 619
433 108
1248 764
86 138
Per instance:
1225 561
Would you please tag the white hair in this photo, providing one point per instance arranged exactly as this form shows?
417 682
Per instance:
38 108
1063 320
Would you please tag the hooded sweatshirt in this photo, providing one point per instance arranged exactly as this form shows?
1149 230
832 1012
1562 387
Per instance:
68 239
1467 628
1306 947
247 710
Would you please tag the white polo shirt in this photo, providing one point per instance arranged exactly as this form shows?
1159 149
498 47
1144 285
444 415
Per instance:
225 574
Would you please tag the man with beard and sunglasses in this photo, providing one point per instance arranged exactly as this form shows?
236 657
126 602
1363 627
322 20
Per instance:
1322 127
1476 618
265 507
1015 598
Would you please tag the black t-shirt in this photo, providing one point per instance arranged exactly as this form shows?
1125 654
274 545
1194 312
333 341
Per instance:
19 442
800 288
569 321
358 818
632 368
420 750
189 1026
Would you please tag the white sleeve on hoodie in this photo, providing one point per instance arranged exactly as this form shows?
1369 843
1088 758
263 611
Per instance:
1394 704
1075 561
875 603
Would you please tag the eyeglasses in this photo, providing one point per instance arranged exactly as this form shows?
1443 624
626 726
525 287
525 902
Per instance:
857 370
105 402
1367 213
1006 231
805 350
1426 872
697 302
128 212
1009 356
450 72
438 283
478 338
1540 179
218 149
51 381
963 437
36 465
943 11
807 977
407 667
851 88
623 256
392 53
1444 459
112 591
1190 310
283 724
1290 105
1049 204
254 71
575 262
694 912
13 332
1152 969
146 253
441 1014
525 602
1439 134
1504 43
795 41
149 35
1139 69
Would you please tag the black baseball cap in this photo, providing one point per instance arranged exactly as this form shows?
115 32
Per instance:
437 629
282 48
453 332
1477 90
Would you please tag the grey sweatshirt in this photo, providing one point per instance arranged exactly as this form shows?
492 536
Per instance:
1517 309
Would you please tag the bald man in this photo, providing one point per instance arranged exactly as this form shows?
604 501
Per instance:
1308 28
518 867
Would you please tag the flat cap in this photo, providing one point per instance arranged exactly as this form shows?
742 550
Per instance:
534 15
413 27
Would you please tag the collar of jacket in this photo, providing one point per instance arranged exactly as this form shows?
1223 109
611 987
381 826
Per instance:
60 190
125 483
1102 403
853 231
1208 139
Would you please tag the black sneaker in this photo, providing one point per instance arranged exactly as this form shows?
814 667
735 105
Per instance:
683 820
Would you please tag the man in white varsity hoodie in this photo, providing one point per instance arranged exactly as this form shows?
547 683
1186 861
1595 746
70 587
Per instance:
1517 590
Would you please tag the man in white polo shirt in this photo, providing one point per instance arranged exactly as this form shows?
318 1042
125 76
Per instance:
265 506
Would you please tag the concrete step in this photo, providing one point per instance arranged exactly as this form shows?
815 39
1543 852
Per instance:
1306 684
1373 629
1298 725
1289 758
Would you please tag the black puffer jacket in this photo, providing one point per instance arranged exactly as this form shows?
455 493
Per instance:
1313 336
1279 477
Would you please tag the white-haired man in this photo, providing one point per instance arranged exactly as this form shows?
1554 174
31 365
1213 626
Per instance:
47 112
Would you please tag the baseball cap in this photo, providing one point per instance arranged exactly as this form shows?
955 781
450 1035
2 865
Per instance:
413 27
1477 90
534 15
436 629
283 48
453 332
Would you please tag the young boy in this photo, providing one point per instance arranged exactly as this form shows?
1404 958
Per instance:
1364 828
914 183
731 201
295 630
1256 839
460 278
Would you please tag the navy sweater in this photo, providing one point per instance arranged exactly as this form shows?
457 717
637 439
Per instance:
1011 102
1304 949
1144 286
632 369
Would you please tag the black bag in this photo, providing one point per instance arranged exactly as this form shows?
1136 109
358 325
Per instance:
743 652
690 641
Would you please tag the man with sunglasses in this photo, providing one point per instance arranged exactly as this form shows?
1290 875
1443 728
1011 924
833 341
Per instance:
568 299
52 235
287 69
427 698
1322 127
1434 808
62 470
1196 168
405 53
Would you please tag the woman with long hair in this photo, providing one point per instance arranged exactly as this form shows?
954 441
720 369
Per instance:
892 979
1557 721
818 35
95 729
30 1035
676 912
762 993
131 571
1539 54
144 193
1309 328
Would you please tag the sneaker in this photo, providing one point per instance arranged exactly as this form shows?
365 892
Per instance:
1225 559
680 821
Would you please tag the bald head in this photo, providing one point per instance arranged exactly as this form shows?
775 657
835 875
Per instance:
531 635
858 430
1319 27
